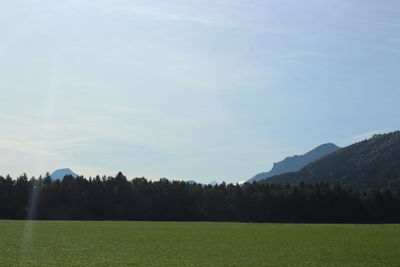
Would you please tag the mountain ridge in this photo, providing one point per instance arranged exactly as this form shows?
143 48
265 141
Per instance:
372 163
296 162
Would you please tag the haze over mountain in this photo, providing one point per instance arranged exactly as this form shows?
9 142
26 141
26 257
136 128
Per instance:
60 173
372 163
295 163
214 182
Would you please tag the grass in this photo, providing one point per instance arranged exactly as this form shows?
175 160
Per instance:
77 243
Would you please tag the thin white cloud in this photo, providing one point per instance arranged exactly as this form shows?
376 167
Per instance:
128 8
114 109
163 14
363 136
24 146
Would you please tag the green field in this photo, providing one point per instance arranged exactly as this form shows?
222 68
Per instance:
69 243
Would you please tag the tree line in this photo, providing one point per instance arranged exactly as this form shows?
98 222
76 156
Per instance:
117 198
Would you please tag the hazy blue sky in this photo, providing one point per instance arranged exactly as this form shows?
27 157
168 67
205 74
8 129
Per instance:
198 90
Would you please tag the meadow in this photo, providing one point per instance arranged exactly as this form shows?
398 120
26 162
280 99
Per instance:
106 243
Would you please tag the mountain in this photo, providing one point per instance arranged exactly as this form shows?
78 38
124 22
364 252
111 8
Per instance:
372 163
215 182
295 163
59 174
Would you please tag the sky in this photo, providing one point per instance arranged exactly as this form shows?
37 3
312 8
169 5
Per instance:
193 90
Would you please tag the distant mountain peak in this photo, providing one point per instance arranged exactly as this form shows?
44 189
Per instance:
215 182
60 173
296 162
323 147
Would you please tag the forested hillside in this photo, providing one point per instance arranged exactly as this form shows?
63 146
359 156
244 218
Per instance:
373 163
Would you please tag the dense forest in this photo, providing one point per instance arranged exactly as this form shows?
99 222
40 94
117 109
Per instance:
117 198
372 163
